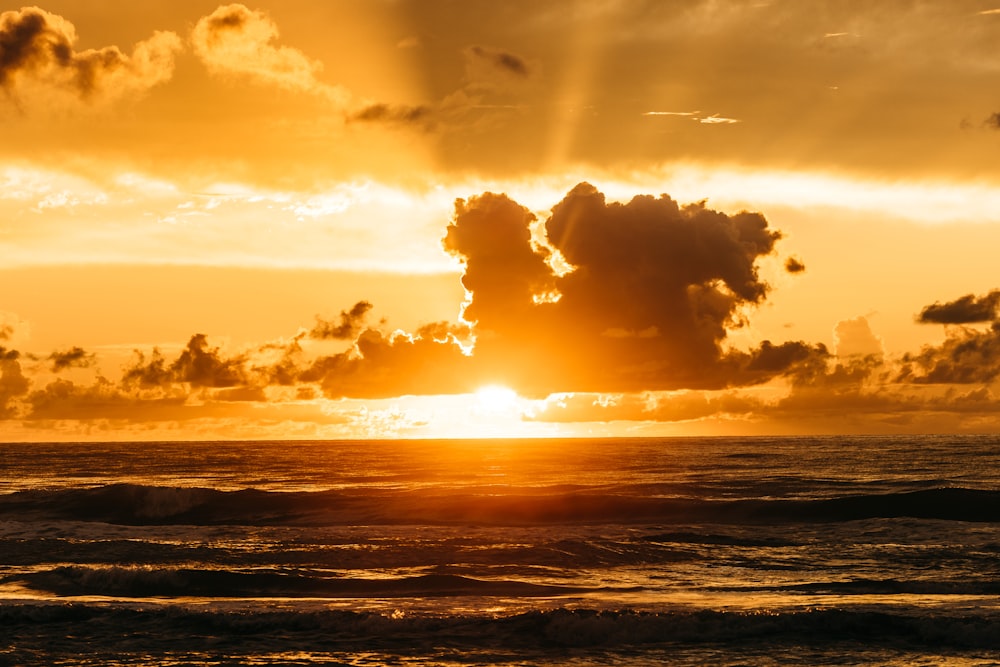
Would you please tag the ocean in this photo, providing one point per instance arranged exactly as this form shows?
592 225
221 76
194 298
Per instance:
680 551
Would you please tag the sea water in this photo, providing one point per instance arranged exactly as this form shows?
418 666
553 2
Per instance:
686 551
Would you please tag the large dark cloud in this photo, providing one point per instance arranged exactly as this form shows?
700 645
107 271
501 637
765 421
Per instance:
964 310
653 291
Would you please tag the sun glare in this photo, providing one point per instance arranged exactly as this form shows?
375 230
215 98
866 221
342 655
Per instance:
496 399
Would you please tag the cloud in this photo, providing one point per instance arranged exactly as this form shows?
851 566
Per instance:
854 338
75 357
964 310
36 51
392 113
965 357
794 265
993 121
503 62
197 365
237 41
384 365
13 383
653 290
347 328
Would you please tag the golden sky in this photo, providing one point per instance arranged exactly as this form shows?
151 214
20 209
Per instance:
420 218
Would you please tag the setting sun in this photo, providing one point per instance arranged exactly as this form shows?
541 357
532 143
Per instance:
496 399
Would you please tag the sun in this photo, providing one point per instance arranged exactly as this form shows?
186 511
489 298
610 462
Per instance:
496 399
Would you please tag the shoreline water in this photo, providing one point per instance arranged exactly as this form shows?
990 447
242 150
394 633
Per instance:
633 552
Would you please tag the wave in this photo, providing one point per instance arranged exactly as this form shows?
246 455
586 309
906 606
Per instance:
173 626
143 582
134 504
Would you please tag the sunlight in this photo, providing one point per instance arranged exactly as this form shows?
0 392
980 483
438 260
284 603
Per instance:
496 399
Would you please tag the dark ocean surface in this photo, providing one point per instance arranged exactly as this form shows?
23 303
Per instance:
697 551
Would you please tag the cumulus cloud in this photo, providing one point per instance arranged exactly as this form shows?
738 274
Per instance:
13 383
964 310
37 53
854 338
965 357
197 365
348 327
237 41
384 365
654 288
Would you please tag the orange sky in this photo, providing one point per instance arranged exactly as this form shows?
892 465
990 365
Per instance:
417 218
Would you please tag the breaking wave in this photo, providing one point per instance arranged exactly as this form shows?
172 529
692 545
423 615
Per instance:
132 504
558 628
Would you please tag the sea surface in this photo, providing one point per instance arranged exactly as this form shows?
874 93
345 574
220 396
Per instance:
693 551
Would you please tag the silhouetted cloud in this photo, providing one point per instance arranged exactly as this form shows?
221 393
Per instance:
392 113
385 365
349 325
654 288
503 61
965 357
993 121
964 310
13 383
197 365
38 45
794 265
75 357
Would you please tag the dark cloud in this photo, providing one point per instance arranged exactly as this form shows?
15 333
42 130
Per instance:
392 113
37 44
6 331
75 357
349 326
965 357
229 17
385 365
964 310
13 383
794 265
771 359
198 365
993 121
653 291
503 61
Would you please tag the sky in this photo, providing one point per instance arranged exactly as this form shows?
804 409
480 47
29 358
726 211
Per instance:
427 218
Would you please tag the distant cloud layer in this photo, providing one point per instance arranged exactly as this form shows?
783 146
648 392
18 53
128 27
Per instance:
606 310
